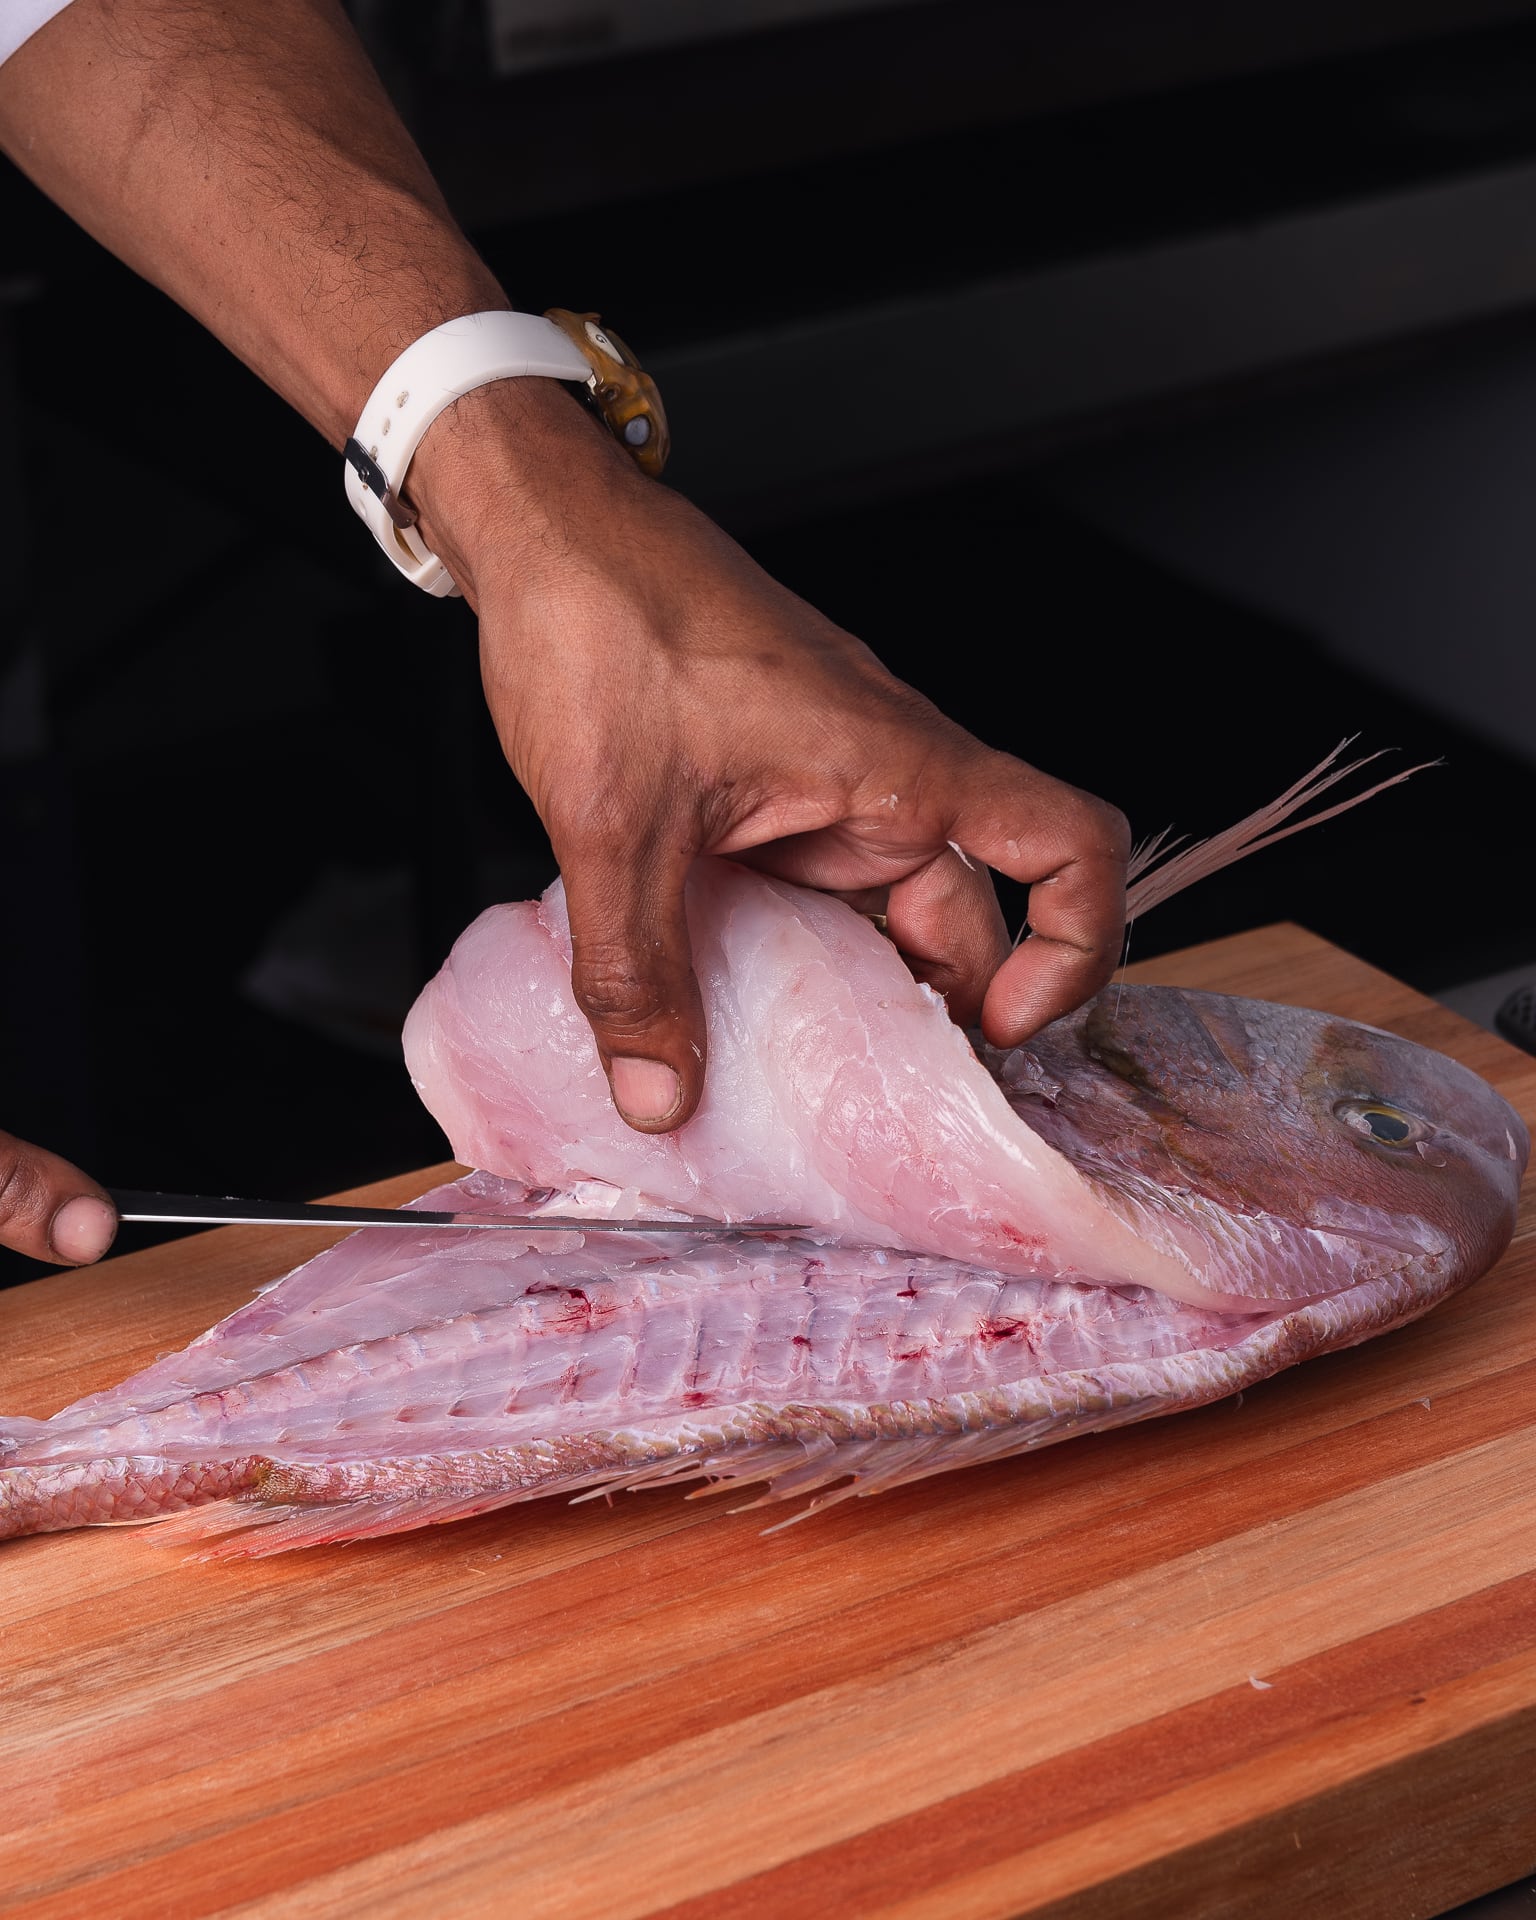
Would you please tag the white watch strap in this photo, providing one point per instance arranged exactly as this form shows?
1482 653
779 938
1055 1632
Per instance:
431 374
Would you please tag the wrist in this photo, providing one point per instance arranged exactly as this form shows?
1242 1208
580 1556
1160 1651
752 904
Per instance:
502 471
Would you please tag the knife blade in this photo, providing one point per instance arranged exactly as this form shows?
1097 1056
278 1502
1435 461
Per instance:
201 1210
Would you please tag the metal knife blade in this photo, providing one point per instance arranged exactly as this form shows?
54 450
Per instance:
196 1209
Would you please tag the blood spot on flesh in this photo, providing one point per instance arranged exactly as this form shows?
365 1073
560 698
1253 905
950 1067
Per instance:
799 1340
574 1314
575 1311
995 1331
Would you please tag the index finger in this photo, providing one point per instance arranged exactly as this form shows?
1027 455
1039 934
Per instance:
1070 849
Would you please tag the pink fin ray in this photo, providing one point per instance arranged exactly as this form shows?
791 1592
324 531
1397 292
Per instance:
248 1528
1158 871
251 1530
875 1465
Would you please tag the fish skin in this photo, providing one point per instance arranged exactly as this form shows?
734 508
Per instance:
398 1381
1216 1118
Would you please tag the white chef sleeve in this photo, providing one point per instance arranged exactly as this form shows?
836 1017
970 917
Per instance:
20 19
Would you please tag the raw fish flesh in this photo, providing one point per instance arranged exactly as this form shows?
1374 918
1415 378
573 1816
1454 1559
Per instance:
1161 1199
841 1094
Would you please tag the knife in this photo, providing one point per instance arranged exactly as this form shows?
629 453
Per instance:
196 1209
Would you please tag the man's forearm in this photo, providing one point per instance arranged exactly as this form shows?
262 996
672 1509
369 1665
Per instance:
657 695
247 160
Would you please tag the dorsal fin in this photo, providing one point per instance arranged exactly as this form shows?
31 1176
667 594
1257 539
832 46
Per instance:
1161 867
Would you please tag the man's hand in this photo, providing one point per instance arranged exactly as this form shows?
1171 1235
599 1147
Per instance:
656 693
660 697
49 1210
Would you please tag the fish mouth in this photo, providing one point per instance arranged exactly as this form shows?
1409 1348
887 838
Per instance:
1389 1233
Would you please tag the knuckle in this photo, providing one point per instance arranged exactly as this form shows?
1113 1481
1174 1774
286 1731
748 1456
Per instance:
586 821
1094 825
1101 827
616 991
22 1189
1115 829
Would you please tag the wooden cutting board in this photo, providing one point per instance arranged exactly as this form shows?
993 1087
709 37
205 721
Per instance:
1275 1658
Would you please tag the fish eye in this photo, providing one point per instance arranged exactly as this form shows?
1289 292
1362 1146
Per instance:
1376 1121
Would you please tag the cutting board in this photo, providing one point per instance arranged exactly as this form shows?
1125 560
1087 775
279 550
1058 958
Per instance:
1273 1658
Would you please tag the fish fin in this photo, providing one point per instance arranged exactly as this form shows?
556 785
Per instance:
655 1474
246 1527
17 1430
251 1530
879 1466
1161 867
818 1465
216 1517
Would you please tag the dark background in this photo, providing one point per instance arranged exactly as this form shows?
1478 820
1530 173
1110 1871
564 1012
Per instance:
914 279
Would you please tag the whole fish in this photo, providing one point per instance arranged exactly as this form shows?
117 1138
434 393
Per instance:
1163 1198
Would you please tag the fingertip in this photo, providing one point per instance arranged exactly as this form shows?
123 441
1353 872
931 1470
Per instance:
81 1231
1004 1026
1042 982
632 977
649 1094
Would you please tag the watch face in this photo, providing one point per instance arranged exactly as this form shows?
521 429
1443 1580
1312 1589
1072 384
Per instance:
606 341
620 389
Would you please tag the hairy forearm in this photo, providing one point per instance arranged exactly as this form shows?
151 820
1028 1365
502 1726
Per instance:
246 159
657 695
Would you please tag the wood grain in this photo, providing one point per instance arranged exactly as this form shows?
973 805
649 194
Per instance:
1275 1657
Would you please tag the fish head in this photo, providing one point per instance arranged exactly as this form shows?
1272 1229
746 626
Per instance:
1282 1153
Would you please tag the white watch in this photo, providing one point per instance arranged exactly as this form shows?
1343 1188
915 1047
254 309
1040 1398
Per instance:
453 360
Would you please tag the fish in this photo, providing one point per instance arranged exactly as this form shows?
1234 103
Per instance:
1205 1148
1163 1198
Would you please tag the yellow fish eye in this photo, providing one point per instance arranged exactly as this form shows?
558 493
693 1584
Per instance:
1385 1126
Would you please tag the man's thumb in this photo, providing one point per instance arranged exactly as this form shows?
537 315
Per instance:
49 1210
632 975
